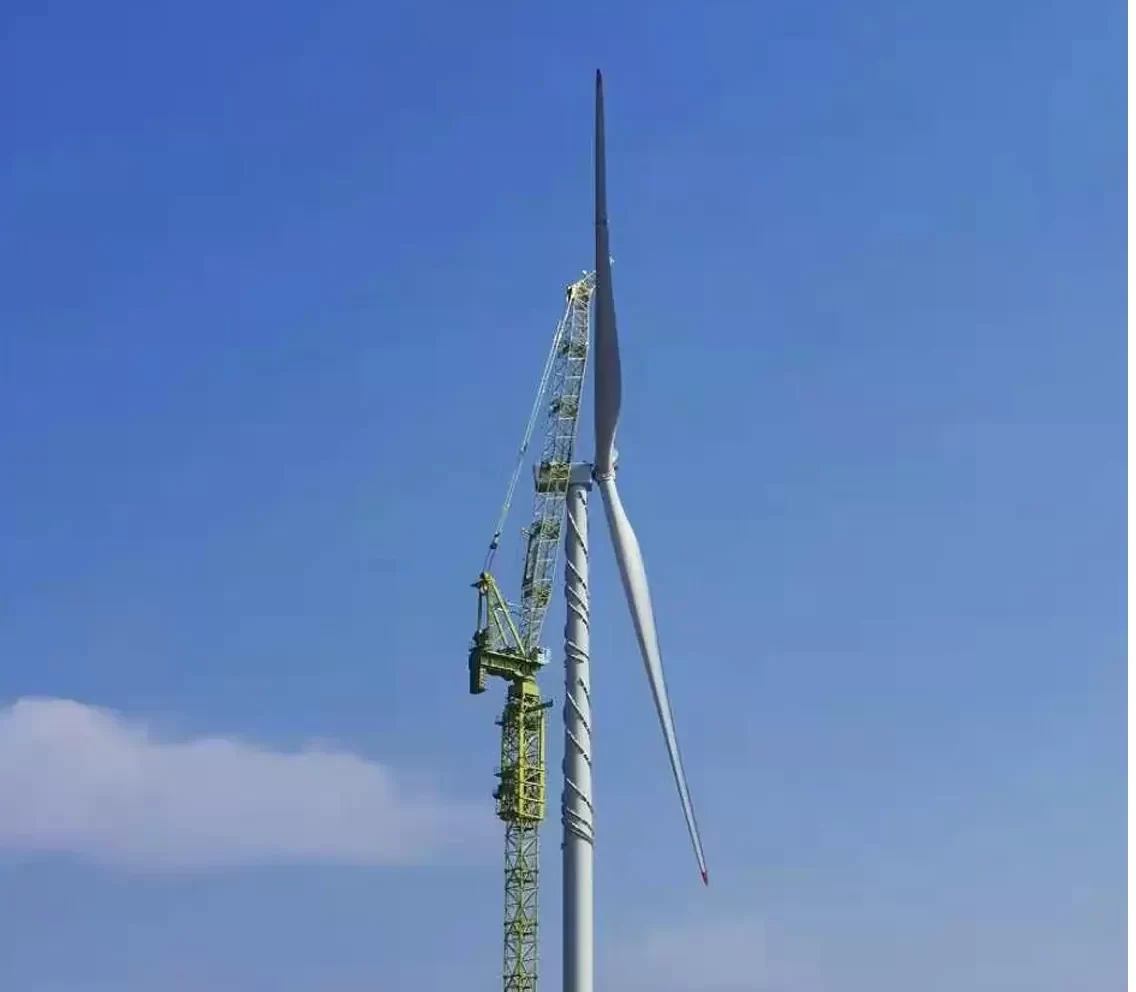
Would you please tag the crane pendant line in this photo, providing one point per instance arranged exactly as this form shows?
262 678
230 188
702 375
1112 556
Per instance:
506 643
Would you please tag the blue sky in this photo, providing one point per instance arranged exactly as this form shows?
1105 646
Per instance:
278 281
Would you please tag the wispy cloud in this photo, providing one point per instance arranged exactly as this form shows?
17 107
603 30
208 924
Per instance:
708 956
85 781
879 943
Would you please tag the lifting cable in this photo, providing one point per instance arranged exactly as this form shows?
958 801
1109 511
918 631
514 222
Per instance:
529 428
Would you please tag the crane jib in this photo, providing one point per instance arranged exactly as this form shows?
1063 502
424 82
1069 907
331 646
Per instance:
506 643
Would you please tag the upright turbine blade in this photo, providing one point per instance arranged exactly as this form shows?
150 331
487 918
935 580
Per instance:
627 553
606 345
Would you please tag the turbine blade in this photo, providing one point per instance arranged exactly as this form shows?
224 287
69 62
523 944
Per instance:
605 349
634 575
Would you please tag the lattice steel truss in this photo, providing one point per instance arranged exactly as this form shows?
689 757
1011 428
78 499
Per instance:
506 643
520 803
551 471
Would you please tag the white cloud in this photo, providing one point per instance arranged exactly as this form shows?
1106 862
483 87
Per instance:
708 956
873 946
84 781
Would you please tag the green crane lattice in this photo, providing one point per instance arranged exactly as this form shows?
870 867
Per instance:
506 643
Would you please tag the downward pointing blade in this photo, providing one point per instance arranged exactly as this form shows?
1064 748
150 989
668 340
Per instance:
634 575
605 348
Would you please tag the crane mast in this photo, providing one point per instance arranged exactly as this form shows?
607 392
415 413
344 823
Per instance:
506 643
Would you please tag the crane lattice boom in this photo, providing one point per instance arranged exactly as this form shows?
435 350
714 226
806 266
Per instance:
506 643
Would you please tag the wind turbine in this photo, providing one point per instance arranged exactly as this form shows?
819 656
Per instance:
576 801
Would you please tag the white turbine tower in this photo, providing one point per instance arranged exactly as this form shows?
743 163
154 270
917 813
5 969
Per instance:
576 801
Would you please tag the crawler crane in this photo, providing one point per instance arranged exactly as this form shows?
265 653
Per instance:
506 643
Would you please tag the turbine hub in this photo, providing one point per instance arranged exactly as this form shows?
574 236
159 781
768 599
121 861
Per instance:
610 474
